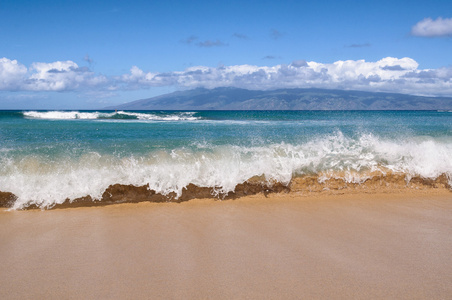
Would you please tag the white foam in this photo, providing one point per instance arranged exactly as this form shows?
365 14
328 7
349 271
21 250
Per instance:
45 182
65 115
74 115
177 116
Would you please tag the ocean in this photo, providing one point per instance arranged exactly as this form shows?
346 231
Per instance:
49 158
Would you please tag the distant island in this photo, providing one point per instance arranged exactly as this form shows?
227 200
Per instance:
228 98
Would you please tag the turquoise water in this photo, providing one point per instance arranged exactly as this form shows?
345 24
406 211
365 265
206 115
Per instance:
49 156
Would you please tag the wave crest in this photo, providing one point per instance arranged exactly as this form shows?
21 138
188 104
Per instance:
118 115
38 181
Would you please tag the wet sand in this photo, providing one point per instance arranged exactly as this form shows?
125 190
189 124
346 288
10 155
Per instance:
284 246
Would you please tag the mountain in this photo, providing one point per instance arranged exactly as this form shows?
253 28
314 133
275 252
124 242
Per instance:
285 99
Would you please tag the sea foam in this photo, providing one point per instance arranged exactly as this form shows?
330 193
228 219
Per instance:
77 115
44 182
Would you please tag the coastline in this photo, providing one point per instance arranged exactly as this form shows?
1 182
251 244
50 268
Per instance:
330 244
330 183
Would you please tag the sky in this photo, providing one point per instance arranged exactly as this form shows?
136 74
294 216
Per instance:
92 54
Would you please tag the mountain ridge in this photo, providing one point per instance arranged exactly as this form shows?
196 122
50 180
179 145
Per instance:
228 98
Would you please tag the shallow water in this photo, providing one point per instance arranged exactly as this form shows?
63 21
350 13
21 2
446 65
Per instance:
47 157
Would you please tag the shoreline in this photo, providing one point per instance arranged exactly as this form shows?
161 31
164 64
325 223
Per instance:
326 184
283 245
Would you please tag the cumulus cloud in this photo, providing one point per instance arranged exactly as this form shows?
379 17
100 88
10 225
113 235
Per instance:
299 63
433 28
401 75
388 74
61 76
40 76
11 74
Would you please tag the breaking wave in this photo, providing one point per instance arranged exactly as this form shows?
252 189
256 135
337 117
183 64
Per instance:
223 170
118 115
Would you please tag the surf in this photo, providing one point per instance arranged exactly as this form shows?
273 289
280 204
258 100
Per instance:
222 170
117 115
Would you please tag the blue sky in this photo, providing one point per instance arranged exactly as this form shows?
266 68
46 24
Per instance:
91 54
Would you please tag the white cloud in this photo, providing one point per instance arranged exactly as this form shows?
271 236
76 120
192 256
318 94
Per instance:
11 74
388 74
433 28
400 75
55 76
61 76
138 79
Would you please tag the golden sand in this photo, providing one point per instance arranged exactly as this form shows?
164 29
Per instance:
283 246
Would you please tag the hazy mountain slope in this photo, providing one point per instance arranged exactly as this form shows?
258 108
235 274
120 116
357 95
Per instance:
285 99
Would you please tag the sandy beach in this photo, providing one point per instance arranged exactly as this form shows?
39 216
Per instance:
283 246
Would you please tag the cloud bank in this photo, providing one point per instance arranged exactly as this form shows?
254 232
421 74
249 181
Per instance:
400 75
433 28
54 76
